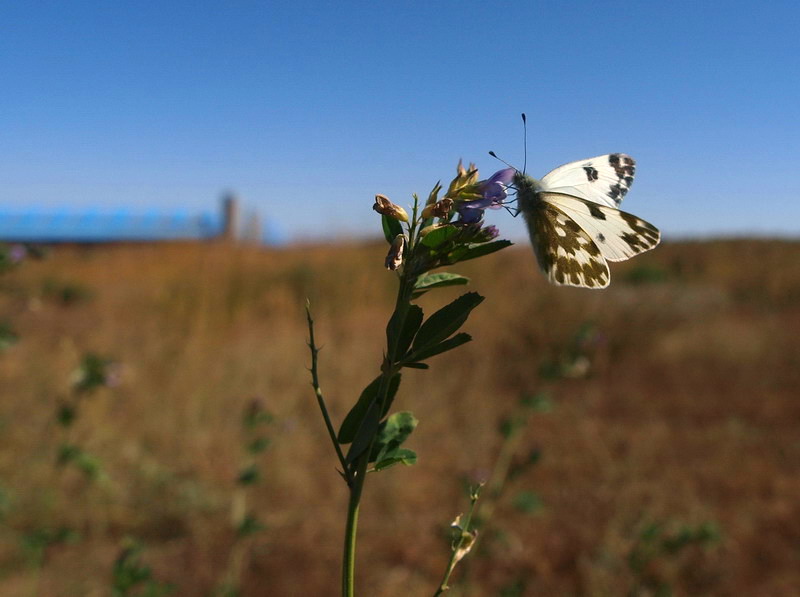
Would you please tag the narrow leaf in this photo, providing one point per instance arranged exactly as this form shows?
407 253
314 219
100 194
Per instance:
355 417
474 251
365 433
400 455
416 365
446 321
431 351
440 280
403 336
394 384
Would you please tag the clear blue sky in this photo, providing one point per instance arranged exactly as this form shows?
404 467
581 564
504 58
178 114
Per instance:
307 109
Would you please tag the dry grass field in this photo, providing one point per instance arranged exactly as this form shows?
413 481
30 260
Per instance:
673 465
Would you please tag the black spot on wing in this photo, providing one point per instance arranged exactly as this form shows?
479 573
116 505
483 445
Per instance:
624 169
591 173
595 211
623 165
644 237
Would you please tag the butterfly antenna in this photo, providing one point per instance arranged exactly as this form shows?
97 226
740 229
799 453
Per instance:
525 142
494 155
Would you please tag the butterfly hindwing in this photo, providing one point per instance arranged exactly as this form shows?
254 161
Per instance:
604 179
617 234
566 253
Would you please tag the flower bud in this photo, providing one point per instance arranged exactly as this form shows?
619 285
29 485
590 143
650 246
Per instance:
428 229
385 207
465 178
486 234
440 209
394 258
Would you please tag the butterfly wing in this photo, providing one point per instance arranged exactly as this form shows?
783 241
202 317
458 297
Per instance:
567 255
617 234
604 179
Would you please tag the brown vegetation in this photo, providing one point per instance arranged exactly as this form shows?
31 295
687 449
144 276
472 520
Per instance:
689 416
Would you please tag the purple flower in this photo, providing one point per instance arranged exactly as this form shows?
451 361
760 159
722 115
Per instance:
494 188
17 253
490 233
493 193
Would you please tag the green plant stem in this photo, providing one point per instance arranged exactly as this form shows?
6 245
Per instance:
501 469
349 559
388 369
320 400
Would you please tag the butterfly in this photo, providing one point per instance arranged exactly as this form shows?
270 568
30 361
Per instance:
574 222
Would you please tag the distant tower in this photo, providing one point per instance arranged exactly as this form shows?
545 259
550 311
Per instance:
252 228
230 217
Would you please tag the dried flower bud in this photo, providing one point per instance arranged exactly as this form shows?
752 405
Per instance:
395 256
385 207
440 209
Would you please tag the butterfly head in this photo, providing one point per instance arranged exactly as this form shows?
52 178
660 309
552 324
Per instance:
526 187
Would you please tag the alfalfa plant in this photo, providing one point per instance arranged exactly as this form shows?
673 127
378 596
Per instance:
575 229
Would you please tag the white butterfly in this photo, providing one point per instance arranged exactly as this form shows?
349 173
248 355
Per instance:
573 220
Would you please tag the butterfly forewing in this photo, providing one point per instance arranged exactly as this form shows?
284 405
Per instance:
617 234
604 179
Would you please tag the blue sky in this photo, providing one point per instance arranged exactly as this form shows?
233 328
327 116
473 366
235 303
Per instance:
307 109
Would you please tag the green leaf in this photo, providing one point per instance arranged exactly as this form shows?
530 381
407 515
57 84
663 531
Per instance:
528 502
405 335
400 455
391 434
446 321
249 525
473 251
537 402
248 475
355 417
416 365
394 384
438 236
426 353
391 228
258 445
65 415
440 280
365 433
8 337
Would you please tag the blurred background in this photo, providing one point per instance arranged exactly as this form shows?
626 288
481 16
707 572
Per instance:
178 179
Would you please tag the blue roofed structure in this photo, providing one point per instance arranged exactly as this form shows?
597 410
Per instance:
66 225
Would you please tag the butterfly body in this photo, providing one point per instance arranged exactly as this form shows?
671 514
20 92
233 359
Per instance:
573 220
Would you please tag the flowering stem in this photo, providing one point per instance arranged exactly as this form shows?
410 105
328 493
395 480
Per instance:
389 369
